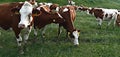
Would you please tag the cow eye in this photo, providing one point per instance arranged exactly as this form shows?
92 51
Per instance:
29 15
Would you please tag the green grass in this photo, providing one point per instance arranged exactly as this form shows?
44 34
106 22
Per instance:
94 42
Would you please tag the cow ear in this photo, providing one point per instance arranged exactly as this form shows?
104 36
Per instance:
36 12
15 10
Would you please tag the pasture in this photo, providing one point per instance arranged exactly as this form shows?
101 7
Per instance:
94 42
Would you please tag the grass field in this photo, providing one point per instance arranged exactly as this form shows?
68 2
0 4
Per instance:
94 42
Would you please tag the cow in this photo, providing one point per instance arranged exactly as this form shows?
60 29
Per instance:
53 9
101 14
10 19
64 17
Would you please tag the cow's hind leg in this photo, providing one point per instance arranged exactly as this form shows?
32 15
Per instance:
109 22
35 35
59 31
19 42
43 32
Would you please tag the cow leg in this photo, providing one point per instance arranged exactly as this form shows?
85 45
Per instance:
26 36
35 33
43 32
19 40
99 22
59 31
109 23
115 21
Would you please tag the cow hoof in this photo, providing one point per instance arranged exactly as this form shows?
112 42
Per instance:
76 45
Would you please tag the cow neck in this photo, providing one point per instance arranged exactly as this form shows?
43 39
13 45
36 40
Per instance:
70 25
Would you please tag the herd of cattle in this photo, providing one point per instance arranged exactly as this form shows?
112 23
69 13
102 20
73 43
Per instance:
25 15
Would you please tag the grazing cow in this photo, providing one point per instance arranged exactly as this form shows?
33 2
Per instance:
101 14
64 17
9 20
53 9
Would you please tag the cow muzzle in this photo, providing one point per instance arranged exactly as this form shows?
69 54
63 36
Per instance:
22 26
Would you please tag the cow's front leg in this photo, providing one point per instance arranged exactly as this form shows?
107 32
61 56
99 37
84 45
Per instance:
26 36
19 42
19 39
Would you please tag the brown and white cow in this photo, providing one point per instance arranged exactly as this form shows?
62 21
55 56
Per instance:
64 17
53 9
10 20
102 14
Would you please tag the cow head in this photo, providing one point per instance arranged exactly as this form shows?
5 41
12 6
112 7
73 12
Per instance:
25 12
26 15
74 36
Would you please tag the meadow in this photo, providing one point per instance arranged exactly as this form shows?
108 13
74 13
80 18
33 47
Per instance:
94 42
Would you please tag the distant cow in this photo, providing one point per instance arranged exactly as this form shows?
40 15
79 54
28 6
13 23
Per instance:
10 20
64 17
101 14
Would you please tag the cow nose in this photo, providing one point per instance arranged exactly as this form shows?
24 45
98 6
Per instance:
21 26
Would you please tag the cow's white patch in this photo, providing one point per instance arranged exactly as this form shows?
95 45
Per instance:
65 10
25 12
18 40
59 15
57 9
87 12
49 4
76 35
110 12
